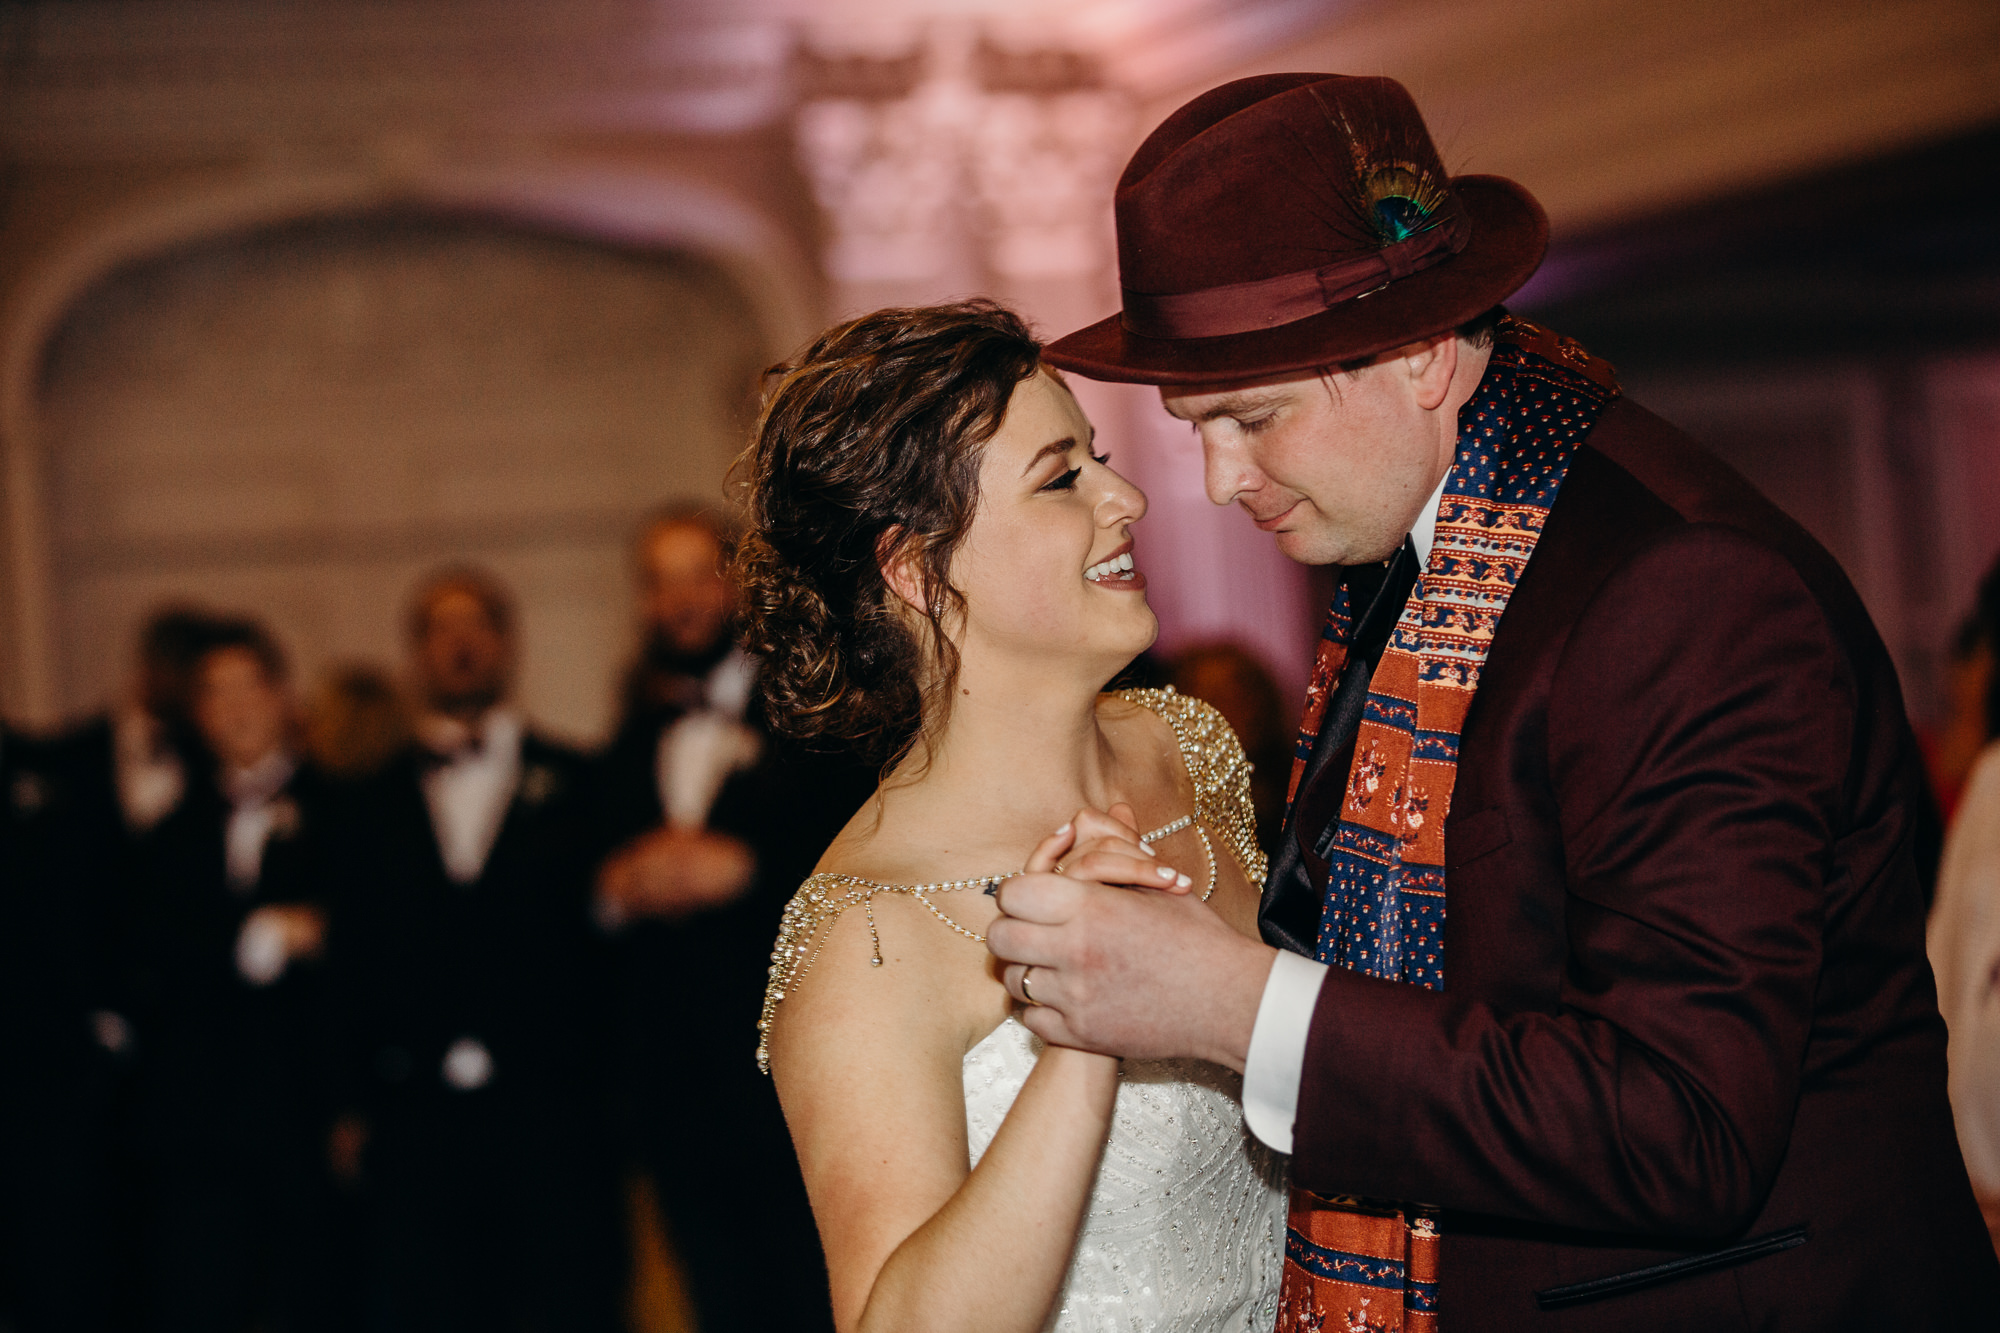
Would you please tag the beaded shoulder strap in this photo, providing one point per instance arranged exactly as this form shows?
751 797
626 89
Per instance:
1215 763
1219 769
818 903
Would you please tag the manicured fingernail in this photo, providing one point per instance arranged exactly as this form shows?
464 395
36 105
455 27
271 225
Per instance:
1064 829
1184 882
1168 872
1146 848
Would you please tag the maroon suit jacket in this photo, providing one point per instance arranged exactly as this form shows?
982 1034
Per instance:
1687 1017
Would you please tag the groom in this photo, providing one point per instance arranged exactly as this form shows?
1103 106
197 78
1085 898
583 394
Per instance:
1594 992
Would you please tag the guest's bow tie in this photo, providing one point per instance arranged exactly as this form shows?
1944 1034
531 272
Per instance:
432 759
447 746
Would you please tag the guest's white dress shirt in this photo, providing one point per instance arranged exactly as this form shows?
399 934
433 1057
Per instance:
1277 1058
255 814
258 812
148 772
470 791
697 754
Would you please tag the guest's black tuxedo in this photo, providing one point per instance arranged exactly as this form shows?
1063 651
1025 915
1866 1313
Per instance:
235 1098
61 898
70 927
707 1124
496 1205
63 1177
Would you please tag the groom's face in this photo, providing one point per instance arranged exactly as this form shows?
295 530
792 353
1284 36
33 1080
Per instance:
1334 464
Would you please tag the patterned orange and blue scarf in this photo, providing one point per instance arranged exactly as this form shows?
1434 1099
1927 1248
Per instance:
1349 1263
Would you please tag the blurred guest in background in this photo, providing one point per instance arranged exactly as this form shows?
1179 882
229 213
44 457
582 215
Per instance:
1964 943
75 804
1951 750
470 984
1972 691
709 825
56 1119
356 722
1231 679
142 750
1964 938
230 924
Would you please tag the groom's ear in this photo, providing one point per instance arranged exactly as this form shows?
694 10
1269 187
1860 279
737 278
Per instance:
1430 365
896 555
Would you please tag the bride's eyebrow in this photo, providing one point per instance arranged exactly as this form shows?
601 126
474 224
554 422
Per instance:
1062 446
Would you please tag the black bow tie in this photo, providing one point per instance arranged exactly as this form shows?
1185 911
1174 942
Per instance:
430 760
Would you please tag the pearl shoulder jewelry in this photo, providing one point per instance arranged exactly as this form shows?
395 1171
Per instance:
1215 763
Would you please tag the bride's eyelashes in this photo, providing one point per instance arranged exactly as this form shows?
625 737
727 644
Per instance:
1067 480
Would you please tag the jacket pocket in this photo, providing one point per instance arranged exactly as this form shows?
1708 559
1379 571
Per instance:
1620 1284
1471 836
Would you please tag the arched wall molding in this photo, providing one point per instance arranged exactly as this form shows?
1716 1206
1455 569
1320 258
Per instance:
635 208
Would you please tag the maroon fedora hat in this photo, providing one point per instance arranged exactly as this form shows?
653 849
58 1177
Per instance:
1289 221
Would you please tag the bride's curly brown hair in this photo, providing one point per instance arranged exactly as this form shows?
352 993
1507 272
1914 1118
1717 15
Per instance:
867 449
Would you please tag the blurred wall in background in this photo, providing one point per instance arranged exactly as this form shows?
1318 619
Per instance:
298 300
1835 333
303 420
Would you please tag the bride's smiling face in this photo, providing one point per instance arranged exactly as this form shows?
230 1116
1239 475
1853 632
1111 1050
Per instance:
1048 569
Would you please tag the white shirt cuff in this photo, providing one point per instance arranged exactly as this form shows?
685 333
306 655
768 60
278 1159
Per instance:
261 952
1277 1056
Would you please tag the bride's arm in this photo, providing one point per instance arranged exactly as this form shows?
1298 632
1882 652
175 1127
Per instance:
869 1065
868 1062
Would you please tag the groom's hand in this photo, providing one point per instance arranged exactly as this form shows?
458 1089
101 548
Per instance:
1144 975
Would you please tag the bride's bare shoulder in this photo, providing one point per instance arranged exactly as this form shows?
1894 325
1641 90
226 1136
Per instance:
857 967
874 948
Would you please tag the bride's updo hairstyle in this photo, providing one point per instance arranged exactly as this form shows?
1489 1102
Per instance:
869 444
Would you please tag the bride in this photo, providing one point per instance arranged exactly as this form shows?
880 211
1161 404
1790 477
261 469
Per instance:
939 569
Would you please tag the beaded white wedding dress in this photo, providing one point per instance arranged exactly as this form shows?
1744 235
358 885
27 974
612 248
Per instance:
1185 1232
1186 1227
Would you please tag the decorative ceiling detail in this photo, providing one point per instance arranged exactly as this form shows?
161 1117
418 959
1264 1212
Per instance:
127 78
960 158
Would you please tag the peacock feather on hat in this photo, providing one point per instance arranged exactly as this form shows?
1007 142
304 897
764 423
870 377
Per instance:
1395 184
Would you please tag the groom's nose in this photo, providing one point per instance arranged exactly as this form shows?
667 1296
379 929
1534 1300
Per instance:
1226 468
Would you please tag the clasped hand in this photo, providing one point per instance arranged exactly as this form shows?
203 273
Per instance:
1121 955
672 873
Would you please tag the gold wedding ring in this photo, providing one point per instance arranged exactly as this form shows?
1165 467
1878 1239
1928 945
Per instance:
1026 994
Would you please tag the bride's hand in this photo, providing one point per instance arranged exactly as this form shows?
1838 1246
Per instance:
1095 840
1097 846
1104 846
